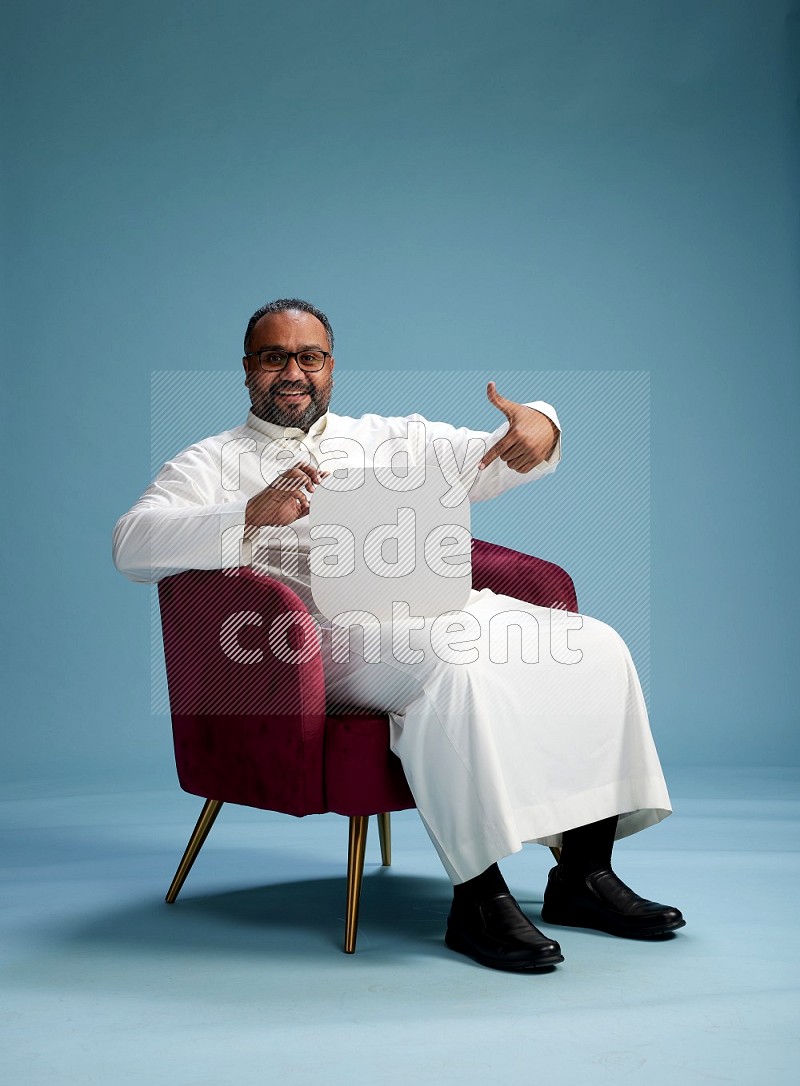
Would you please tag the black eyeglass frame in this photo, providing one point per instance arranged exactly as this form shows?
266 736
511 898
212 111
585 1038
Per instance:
289 355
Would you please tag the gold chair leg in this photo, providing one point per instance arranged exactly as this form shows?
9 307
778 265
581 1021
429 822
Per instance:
210 811
359 824
385 834
557 853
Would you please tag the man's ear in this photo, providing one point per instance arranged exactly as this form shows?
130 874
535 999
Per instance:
246 371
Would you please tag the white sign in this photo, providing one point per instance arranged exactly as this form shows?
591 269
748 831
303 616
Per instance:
382 537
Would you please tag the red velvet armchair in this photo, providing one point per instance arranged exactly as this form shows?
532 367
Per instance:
252 729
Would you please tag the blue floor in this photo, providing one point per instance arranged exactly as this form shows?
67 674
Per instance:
243 980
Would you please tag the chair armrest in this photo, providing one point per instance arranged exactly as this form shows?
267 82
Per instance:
248 726
512 573
216 641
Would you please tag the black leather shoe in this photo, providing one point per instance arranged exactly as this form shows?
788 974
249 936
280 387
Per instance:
603 902
496 932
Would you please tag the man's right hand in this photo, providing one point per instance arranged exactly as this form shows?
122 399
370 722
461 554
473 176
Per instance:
284 500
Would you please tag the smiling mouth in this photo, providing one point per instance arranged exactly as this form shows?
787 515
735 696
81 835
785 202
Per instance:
288 395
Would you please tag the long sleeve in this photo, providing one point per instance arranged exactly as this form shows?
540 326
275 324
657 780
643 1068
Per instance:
180 522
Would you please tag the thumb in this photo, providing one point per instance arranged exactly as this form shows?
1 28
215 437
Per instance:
500 402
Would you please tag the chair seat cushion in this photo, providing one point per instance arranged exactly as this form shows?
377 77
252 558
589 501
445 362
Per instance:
241 758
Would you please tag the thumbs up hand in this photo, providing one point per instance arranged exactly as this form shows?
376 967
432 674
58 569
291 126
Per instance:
530 438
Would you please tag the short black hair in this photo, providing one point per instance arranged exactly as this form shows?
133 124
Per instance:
281 305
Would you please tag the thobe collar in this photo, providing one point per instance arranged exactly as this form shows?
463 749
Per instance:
284 433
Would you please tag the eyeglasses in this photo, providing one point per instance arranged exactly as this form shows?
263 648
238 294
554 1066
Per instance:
273 361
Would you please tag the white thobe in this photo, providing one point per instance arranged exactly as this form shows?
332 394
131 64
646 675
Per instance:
507 748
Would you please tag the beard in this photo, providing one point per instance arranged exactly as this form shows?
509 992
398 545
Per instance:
267 407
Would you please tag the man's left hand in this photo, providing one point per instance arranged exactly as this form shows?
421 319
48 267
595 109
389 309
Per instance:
530 438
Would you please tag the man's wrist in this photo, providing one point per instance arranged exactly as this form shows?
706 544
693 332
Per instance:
556 436
553 427
251 529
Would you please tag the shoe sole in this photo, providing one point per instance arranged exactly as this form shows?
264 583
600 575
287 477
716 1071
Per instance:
461 947
611 929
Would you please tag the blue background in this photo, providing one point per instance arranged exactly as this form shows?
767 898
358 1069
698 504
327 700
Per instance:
564 187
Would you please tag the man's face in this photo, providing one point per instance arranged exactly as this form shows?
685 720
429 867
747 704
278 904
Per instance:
274 396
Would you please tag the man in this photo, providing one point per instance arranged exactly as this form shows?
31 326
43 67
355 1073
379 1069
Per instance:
496 753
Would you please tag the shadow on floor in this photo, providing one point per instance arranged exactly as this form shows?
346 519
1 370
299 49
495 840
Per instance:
287 919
